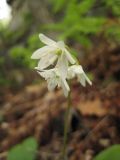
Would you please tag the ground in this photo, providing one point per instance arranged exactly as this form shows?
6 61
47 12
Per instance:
36 112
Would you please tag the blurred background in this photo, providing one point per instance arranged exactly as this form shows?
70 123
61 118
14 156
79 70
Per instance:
92 29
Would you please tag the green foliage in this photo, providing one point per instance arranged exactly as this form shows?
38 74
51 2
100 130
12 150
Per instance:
20 54
114 5
58 5
24 151
1 118
85 6
81 20
113 31
34 42
112 153
2 61
21 57
3 79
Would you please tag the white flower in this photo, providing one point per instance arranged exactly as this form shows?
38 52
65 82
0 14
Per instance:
77 70
52 52
54 79
64 66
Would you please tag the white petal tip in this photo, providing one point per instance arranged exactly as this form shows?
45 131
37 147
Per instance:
40 35
90 83
84 85
32 57
36 68
66 94
73 62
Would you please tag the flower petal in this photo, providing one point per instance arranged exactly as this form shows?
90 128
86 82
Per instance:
70 74
46 61
78 69
52 83
62 65
39 53
87 79
65 87
74 70
44 74
61 45
47 74
46 40
53 59
69 57
81 78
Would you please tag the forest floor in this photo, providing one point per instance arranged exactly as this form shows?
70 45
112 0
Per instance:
95 120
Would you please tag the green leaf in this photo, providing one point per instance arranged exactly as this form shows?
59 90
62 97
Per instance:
114 5
24 151
112 153
88 19
83 40
85 6
21 56
58 5
113 32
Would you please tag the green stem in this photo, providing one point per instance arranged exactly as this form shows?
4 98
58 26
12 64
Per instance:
66 128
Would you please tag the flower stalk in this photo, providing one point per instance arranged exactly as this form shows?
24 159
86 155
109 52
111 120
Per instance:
66 127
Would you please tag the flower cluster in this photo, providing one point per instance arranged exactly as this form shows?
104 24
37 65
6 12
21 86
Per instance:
57 65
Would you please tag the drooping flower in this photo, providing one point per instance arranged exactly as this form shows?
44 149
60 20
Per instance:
64 66
52 52
77 71
54 79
